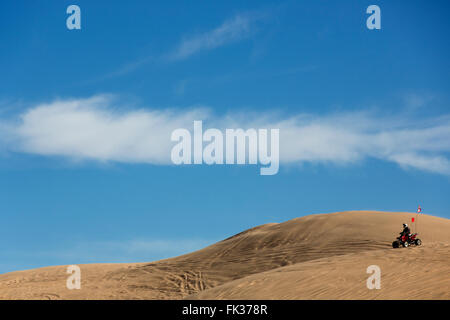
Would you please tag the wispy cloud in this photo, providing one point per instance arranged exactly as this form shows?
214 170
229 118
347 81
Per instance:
113 251
239 27
143 250
232 30
415 101
129 67
95 129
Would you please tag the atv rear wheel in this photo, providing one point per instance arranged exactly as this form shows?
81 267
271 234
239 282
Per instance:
395 244
418 242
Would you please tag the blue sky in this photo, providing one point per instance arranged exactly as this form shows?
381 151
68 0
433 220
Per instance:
86 115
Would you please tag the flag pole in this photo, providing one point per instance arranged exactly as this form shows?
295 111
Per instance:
419 210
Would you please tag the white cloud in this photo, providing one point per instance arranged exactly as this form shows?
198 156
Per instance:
232 30
95 129
350 137
436 164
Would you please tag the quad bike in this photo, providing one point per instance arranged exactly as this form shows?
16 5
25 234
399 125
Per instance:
406 241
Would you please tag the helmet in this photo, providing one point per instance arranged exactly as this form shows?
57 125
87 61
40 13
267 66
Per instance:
405 225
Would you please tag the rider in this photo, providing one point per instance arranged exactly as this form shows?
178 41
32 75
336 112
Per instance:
406 231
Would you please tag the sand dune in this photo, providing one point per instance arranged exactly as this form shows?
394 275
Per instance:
414 273
314 257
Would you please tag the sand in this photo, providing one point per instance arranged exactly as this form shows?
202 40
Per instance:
313 257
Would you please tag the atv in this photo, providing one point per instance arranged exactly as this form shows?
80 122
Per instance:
407 240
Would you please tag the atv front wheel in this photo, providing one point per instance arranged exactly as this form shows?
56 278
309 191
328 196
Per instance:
405 244
418 242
